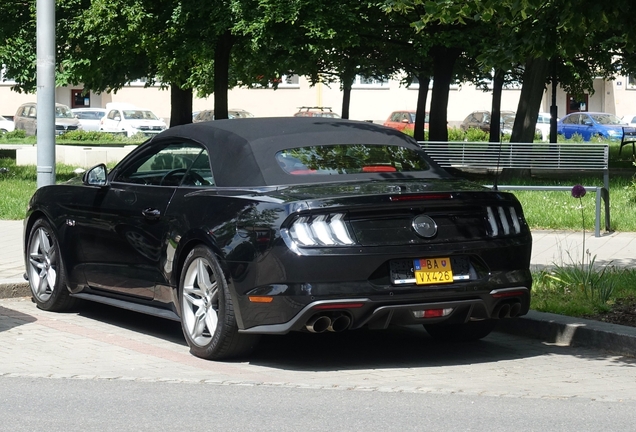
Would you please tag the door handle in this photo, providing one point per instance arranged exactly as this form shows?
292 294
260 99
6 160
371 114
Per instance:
151 213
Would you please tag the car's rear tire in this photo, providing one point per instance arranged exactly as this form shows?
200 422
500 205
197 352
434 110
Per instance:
465 332
207 312
45 269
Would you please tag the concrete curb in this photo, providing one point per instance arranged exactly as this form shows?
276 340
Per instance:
564 330
12 288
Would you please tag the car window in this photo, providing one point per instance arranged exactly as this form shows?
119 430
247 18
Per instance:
349 159
573 119
63 112
395 117
169 165
139 115
609 119
207 115
241 114
31 111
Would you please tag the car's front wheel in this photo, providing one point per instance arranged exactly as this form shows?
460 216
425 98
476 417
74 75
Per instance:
207 312
45 269
464 332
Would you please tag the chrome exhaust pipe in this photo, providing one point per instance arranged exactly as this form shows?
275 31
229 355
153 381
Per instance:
515 309
501 311
318 323
339 323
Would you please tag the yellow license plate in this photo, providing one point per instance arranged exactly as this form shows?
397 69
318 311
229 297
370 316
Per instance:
430 271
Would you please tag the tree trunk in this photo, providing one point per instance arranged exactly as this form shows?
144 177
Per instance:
495 111
443 63
420 113
221 74
180 105
347 82
534 79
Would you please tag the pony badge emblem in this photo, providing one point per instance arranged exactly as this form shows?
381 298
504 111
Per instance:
424 226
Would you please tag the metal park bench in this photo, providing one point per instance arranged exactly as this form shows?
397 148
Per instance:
629 137
537 156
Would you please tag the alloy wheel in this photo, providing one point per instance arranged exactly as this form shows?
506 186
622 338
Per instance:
200 302
43 264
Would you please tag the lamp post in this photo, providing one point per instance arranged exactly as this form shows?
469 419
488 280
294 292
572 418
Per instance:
45 24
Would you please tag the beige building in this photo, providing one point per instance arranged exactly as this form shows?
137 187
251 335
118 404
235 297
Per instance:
370 99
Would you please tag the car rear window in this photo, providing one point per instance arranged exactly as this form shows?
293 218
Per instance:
89 115
350 159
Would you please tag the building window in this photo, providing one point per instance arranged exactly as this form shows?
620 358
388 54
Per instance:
631 82
142 82
284 82
362 82
289 81
454 86
3 79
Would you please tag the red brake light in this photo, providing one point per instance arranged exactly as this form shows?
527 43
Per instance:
378 168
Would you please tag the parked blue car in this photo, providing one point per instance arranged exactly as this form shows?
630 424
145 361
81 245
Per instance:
591 124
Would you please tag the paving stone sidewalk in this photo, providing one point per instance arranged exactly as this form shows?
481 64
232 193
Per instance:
549 248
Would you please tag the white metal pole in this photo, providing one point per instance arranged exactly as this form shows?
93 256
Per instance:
45 22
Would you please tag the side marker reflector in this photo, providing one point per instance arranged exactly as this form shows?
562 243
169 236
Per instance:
261 299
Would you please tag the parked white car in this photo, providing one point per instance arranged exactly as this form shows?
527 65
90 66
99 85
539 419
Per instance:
131 120
630 119
543 125
6 125
89 118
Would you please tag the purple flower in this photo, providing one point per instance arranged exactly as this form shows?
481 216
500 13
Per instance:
578 191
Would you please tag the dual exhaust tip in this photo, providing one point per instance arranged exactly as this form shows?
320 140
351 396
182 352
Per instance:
322 323
507 310
340 322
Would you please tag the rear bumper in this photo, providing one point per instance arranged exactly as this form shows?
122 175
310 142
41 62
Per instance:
380 313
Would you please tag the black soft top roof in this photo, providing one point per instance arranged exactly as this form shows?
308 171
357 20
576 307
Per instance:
242 151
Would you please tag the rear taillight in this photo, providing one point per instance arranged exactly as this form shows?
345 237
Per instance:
502 221
321 230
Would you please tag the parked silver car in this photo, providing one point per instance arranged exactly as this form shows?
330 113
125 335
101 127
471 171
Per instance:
89 118
26 119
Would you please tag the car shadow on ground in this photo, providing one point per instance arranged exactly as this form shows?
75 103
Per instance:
395 347
134 321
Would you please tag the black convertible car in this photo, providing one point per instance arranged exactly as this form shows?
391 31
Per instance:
255 226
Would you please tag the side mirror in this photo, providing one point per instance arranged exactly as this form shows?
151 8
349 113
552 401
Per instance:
96 176
405 120
587 122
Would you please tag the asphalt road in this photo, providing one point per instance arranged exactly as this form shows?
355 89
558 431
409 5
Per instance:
103 405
